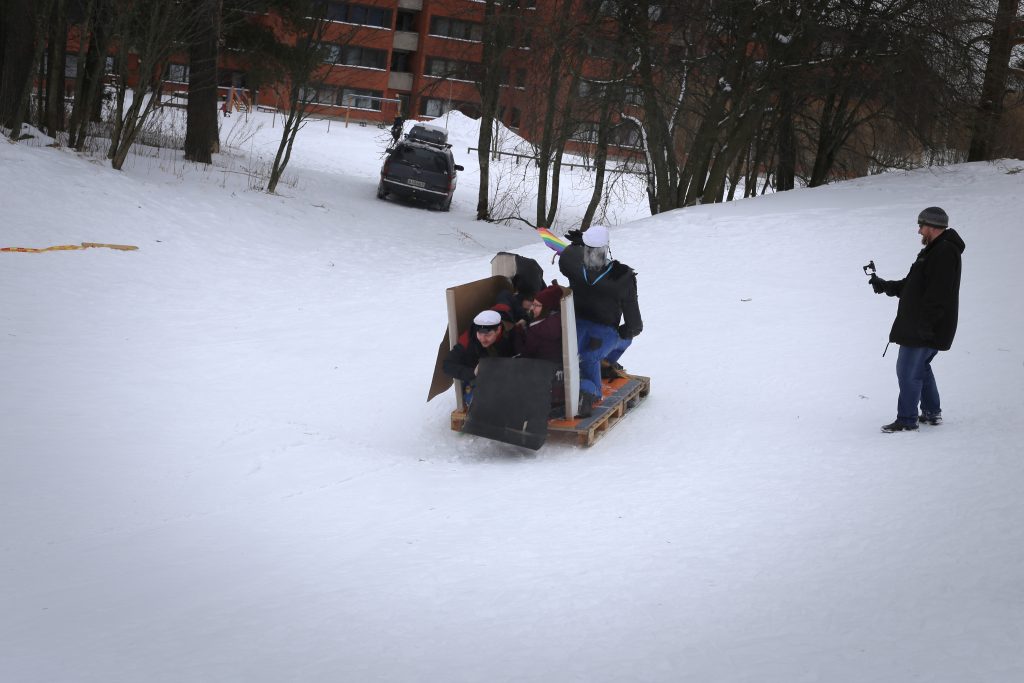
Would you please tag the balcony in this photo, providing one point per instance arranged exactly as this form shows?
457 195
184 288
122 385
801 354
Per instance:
406 41
399 80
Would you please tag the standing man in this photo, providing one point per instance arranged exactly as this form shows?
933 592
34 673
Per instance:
604 292
396 128
925 319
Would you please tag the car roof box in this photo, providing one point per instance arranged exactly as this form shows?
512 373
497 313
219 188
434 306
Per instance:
423 132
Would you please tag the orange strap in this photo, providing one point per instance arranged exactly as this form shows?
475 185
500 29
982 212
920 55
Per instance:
70 247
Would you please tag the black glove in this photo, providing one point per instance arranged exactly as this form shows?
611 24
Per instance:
877 284
575 237
624 332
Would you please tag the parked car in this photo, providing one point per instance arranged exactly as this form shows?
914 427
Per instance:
420 167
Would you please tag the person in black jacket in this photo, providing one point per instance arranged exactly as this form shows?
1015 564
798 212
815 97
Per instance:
604 292
925 318
485 337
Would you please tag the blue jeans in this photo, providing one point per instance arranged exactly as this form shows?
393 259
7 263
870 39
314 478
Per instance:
610 347
917 384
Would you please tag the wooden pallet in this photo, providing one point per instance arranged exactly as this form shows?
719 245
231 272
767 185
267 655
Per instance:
619 396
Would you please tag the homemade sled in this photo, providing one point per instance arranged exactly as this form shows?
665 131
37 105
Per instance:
512 396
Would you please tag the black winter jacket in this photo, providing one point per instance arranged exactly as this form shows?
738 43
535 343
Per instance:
603 299
929 295
463 358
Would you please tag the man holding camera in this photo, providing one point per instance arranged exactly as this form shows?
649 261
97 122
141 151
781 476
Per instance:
925 318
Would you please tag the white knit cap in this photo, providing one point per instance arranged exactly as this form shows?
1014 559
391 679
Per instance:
487 318
596 236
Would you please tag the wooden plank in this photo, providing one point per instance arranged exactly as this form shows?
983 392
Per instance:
620 396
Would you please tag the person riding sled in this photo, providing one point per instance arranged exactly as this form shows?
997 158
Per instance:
485 338
604 292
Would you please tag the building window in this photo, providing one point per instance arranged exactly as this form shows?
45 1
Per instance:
405 21
318 95
351 55
401 62
515 119
633 95
437 106
352 13
71 66
626 135
456 28
585 132
361 99
177 73
452 68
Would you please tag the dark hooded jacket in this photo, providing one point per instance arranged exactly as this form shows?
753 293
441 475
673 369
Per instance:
541 339
604 296
929 295
463 358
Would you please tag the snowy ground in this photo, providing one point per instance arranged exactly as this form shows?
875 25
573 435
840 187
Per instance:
218 464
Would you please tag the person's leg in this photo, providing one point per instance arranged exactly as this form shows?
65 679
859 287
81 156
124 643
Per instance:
618 349
910 366
594 341
931 406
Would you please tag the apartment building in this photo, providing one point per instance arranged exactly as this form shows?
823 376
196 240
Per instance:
414 58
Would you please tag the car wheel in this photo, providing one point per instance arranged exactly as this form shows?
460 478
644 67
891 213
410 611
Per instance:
446 205
381 194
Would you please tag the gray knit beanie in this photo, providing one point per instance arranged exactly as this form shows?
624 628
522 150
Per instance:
933 216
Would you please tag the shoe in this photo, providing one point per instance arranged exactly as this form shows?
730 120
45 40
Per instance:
586 405
898 427
612 370
933 420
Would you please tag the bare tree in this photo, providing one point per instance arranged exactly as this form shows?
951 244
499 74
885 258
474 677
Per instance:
52 114
499 29
96 28
993 90
154 28
24 25
304 62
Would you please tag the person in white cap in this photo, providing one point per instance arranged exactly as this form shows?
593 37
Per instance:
604 292
485 338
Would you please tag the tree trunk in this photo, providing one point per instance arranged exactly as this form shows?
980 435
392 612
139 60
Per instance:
17 59
993 89
600 165
785 172
489 87
201 135
56 58
292 123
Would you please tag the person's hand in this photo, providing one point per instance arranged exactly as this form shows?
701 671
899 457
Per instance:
574 237
877 284
624 332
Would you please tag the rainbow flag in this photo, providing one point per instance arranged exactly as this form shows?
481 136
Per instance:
552 240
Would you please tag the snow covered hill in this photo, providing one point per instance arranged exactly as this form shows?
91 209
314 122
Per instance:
218 464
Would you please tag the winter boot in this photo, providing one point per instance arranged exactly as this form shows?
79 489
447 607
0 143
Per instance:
898 427
612 370
586 404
